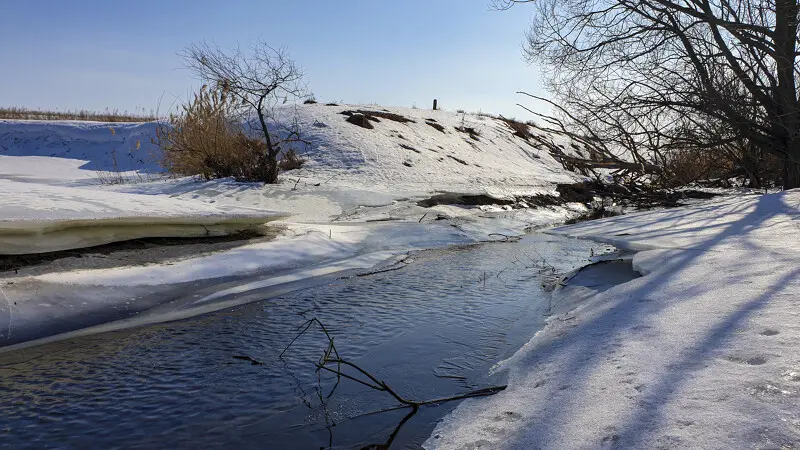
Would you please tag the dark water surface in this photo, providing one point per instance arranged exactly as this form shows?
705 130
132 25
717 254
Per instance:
431 329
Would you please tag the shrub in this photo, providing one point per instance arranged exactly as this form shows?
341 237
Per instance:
520 129
740 164
206 138
291 160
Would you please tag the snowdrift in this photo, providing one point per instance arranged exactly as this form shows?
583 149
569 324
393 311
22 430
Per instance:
36 218
98 146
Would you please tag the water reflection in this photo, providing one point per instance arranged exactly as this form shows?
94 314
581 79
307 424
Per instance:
431 329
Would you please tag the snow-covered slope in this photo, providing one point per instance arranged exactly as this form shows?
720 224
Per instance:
55 194
700 352
99 146
418 147
424 147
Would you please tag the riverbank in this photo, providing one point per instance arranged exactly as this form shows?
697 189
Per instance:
698 352
430 328
76 193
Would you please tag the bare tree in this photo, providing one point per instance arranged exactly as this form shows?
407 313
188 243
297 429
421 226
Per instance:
683 73
262 79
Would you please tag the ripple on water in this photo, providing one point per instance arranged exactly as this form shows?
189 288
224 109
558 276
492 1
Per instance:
431 329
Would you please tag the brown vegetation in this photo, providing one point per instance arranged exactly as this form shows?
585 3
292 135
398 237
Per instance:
291 160
207 139
373 115
472 132
435 125
261 79
109 115
520 129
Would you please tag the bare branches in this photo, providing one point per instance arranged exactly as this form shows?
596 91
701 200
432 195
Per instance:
262 78
332 362
641 73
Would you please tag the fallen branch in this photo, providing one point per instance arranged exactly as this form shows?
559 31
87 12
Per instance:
252 360
333 363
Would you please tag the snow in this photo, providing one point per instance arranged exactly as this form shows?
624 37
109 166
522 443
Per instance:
67 185
440 160
698 352
311 244
97 146
38 218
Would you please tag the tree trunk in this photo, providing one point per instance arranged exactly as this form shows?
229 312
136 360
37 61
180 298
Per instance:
791 174
272 165
272 150
786 27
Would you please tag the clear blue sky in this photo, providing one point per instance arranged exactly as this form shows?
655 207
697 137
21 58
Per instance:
91 54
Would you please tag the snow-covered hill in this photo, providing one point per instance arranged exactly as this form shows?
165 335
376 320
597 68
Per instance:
403 153
440 149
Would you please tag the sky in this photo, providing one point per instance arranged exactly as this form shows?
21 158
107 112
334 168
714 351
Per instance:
91 54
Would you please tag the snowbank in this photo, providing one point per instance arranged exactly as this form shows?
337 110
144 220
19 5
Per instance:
67 304
96 146
38 218
699 352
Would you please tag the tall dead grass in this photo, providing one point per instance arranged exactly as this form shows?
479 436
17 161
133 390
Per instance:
109 115
206 138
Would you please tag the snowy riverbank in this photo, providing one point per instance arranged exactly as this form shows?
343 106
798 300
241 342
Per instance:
355 204
699 352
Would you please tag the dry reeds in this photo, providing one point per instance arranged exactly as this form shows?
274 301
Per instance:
207 138
109 115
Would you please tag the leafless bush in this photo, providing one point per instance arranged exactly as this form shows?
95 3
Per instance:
261 79
737 165
520 129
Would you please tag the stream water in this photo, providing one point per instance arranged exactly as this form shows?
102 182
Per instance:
432 328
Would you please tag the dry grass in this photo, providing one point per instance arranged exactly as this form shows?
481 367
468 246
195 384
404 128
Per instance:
207 139
291 160
373 116
736 165
520 129
435 125
21 113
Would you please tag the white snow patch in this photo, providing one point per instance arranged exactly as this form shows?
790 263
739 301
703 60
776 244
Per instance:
693 354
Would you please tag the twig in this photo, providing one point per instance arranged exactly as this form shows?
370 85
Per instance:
331 356
254 361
